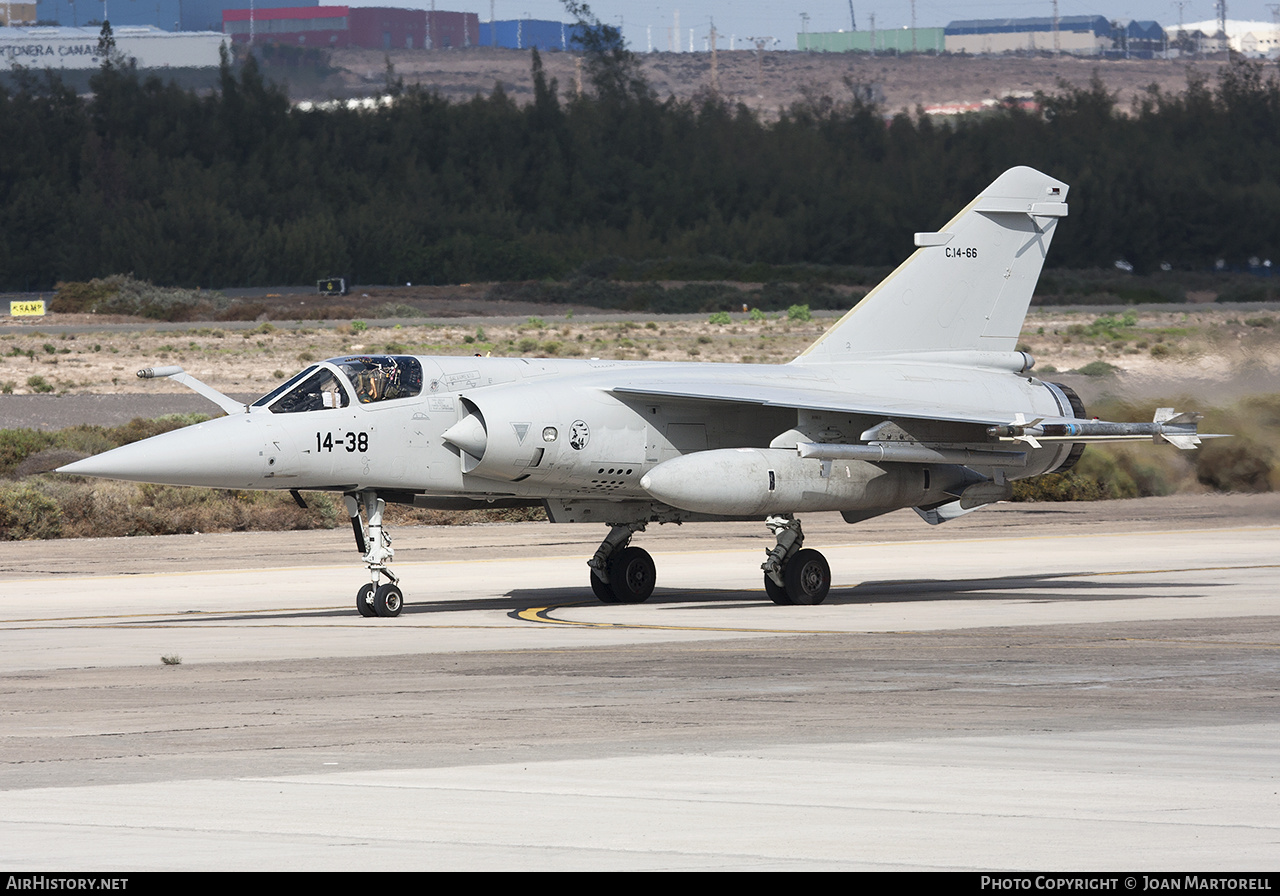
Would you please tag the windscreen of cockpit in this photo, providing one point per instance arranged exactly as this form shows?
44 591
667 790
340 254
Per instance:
382 377
314 389
371 377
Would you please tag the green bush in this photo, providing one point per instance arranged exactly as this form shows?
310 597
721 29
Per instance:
1096 477
1246 292
16 445
1097 368
27 513
1238 464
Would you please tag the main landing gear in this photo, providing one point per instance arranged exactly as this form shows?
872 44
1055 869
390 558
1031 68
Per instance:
374 599
793 575
621 574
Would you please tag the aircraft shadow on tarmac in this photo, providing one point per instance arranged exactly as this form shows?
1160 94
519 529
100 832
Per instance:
1050 587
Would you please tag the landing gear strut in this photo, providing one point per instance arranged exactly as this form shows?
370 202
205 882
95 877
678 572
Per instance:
622 574
793 575
374 599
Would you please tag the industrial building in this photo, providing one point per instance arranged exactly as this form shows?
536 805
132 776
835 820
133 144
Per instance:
884 40
18 13
171 15
372 27
77 48
1086 35
1144 40
529 34
1258 39
1081 35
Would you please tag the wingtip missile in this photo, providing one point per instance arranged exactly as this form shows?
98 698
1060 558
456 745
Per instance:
1167 427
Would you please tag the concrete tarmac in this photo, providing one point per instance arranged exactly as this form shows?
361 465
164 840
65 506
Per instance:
1049 687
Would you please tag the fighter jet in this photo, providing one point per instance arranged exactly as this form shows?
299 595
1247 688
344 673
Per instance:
918 397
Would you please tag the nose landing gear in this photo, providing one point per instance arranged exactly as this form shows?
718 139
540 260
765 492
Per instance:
375 598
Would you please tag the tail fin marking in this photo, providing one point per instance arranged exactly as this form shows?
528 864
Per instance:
967 287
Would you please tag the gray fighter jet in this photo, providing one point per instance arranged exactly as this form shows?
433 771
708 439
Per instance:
916 398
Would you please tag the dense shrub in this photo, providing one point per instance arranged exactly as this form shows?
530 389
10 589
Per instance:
120 294
26 512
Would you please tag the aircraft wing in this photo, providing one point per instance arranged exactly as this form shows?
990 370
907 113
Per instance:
1168 426
809 397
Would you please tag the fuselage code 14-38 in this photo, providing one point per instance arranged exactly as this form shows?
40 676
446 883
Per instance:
351 441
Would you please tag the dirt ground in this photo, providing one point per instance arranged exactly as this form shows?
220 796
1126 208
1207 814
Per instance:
776 80
1219 352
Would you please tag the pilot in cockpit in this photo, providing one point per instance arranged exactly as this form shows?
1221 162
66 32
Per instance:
378 382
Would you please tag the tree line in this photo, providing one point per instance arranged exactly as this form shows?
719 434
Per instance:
237 187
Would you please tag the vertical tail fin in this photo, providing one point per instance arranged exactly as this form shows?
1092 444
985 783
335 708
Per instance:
966 287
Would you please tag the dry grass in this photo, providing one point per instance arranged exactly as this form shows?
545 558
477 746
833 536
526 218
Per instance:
1215 343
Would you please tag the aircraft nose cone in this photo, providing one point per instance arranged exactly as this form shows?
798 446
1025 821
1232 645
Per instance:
225 453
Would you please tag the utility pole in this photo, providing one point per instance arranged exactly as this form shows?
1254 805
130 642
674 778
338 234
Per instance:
1182 41
761 43
804 27
913 27
715 69
1181 4
853 20
873 34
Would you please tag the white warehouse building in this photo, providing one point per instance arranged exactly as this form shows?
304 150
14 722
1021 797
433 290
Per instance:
77 48
1250 38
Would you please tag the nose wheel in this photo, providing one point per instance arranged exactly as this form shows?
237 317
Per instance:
374 598
364 601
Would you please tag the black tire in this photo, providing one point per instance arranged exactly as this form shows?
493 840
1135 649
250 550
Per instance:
602 591
632 575
363 601
776 592
388 600
808 578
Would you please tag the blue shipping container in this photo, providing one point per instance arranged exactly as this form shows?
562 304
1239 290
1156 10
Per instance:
528 34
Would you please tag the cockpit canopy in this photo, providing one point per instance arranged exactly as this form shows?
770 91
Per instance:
335 383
